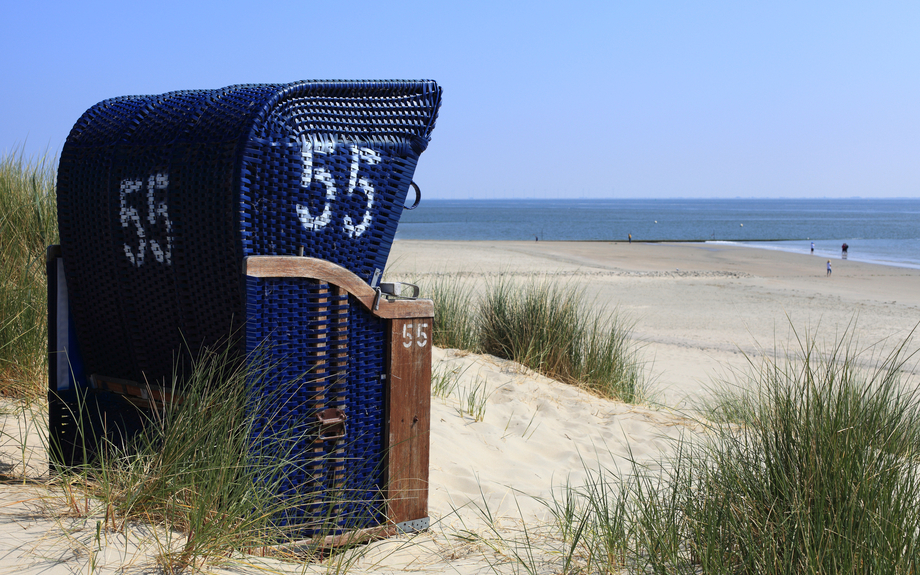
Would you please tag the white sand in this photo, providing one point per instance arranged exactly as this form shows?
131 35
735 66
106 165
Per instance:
698 309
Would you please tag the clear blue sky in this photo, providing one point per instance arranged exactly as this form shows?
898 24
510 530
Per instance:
633 99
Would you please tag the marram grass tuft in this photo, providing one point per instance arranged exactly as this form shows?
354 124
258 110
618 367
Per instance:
28 225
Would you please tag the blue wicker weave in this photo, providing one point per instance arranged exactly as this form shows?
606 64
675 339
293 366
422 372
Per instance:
329 354
161 197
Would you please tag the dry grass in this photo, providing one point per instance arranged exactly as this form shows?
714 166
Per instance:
28 225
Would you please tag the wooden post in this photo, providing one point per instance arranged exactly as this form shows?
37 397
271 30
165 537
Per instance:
409 417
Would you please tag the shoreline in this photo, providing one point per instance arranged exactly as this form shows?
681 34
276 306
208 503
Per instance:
734 242
402 247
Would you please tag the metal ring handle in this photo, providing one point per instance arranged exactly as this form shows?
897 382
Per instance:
418 196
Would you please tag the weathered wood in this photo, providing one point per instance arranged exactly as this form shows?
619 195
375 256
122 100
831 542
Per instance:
142 395
409 417
298 267
307 546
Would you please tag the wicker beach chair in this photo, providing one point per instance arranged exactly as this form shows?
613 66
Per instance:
161 202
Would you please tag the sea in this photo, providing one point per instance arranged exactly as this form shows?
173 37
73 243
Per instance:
885 231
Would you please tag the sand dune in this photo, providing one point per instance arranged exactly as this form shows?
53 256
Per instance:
700 310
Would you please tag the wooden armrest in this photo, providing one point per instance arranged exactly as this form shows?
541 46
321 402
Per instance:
314 268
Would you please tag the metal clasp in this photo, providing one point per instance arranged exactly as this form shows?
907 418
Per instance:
400 290
331 424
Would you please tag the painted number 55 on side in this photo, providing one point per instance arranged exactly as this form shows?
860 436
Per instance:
420 336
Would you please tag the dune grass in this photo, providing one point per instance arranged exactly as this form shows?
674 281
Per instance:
214 471
28 225
454 317
549 327
545 325
444 380
818 472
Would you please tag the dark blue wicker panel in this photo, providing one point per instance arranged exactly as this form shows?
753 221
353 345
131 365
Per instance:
160 197
324 353
146 205
367 450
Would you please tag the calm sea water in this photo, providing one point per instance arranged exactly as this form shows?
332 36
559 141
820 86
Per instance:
880 231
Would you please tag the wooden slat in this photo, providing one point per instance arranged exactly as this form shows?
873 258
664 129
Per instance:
409 416
302 267
306 546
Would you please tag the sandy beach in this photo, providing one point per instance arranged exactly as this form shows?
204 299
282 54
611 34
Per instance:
698 307
699 312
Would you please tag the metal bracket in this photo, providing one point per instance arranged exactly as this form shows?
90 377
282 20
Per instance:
413 526
331 424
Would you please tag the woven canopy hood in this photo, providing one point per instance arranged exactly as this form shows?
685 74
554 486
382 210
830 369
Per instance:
161 197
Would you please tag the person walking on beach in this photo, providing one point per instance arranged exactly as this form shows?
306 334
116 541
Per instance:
844 247
828 267
812 248
630 237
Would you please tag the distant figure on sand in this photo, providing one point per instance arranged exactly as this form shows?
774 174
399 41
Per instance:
630 237
828 267
844 247
812 248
